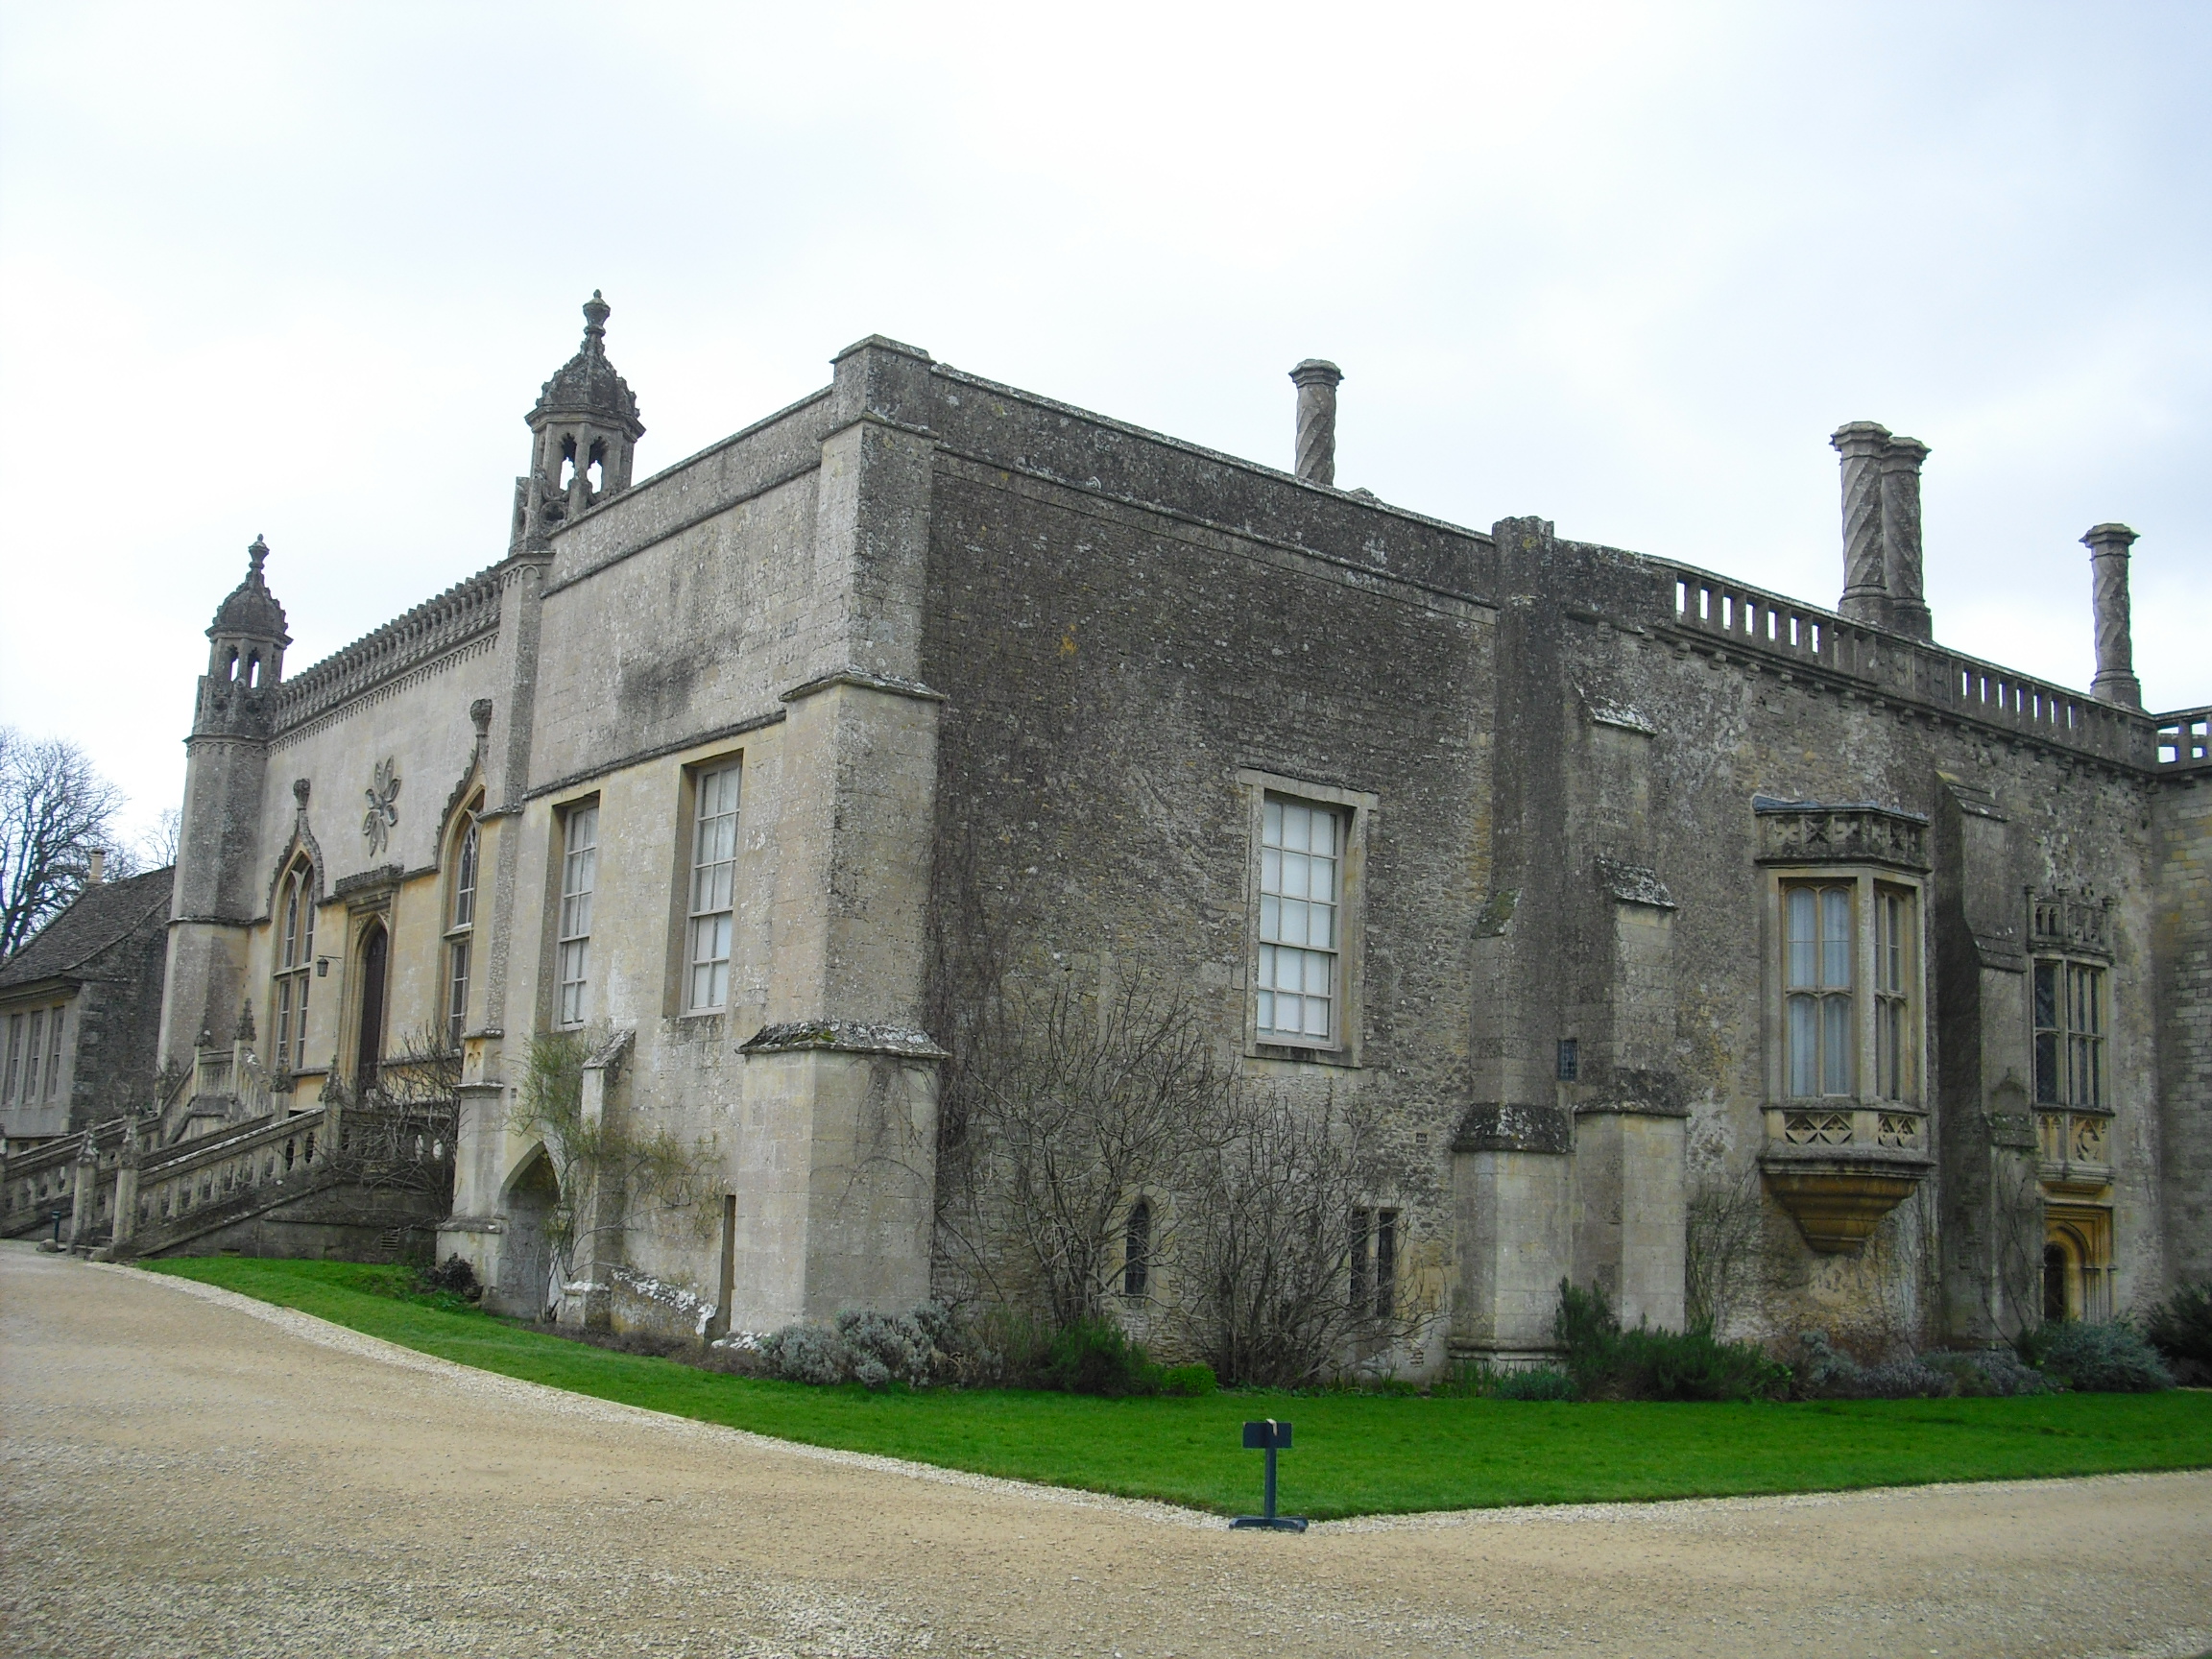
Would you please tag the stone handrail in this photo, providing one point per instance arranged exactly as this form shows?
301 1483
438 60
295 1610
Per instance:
1909 670
431 628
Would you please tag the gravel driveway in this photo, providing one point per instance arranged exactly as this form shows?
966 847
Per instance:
188 1473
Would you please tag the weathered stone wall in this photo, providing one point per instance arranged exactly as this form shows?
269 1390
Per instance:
2180 937
973 647
1116 674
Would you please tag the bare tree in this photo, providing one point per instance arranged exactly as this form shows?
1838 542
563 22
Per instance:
605 1170
55 811
1073 1112
1276 1285
1724 1221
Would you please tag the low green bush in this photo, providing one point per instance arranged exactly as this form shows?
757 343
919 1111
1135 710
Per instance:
2094 1358
2180 1328
1187 1382
1544 1383
1608 1362
1095 1356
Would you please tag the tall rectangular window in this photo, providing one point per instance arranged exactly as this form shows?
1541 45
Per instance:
1895 937
2069 1034
294 960
1301 858
713 891
579 871
53 1053
14 1058
1818 988
32 1055
1374 1263
461 926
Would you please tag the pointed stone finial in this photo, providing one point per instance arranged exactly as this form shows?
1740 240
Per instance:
246 1021
257 556
596 311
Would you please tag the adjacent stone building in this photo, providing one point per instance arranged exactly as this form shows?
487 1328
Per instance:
79 1009
1748 958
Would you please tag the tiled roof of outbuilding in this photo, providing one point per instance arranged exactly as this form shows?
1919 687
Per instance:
100 916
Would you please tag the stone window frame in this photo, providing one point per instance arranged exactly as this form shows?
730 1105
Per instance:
292 922
1376 1261
1864 1116
1357 809
681 933
457 914
564 818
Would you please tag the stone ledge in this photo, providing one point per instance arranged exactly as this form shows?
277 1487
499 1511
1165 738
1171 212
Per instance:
1511 1128
842 1037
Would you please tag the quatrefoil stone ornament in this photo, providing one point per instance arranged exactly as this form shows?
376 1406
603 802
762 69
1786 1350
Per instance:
383 792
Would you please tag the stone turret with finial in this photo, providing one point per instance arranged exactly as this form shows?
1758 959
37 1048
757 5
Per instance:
583 437
245 652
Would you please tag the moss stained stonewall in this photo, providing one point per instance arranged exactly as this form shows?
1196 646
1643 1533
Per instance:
1356 1454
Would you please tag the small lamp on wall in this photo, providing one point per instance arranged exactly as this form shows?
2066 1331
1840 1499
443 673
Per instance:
321 967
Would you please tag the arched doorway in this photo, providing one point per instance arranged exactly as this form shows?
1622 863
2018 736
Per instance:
369 1043
527 1285
2058 1270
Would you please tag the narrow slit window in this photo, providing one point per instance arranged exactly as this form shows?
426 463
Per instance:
1137 1251
713 891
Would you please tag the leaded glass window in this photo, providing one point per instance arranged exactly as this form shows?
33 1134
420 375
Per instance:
1817 982
2069 1034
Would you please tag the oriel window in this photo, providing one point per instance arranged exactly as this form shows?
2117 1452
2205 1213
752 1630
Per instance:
2069 1034
1817 981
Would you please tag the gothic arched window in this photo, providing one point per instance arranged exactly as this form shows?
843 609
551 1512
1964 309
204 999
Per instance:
460 924
295 962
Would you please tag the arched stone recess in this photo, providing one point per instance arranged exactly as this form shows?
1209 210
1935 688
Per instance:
528 1285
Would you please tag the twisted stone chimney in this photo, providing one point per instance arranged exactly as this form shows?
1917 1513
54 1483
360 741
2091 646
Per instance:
1908 605
2115 681
1865 583
1316 382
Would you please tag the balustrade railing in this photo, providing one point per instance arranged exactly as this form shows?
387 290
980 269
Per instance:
2186 739
1912 670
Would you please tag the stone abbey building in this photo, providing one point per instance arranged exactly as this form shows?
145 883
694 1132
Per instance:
1660 925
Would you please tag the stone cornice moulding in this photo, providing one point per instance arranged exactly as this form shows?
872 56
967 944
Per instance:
866 681
1839 832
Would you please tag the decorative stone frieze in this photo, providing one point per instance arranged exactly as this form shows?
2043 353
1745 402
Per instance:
1850 832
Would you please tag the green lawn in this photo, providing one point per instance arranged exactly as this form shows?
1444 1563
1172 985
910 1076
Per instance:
1355 1455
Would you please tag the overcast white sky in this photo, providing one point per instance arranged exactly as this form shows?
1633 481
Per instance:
299 270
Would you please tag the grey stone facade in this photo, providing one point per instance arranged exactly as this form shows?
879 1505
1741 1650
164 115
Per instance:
84 998
943 628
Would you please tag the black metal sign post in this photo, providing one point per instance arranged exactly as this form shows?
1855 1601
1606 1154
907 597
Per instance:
1269 1436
